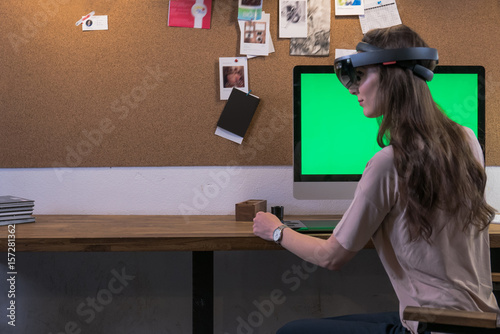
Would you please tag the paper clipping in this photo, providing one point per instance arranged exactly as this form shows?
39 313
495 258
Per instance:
344 52
379 14
349 7
293 19
317 42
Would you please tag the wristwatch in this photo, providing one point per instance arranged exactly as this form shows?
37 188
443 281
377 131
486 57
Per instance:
278 234
199 10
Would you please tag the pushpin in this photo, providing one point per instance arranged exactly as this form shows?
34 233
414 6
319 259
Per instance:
84 18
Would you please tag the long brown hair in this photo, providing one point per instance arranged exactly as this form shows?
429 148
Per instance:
433 158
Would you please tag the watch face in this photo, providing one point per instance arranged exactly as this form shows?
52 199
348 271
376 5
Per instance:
277 234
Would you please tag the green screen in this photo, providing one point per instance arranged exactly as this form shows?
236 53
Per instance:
337 139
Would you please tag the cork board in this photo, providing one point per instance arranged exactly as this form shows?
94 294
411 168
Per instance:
145 94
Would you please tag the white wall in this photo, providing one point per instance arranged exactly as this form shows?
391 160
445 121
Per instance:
170 190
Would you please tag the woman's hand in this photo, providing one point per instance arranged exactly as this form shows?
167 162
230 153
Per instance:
264 225
325 253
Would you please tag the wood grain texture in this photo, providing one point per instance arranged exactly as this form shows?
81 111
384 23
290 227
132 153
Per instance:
450 317
148 233
135 233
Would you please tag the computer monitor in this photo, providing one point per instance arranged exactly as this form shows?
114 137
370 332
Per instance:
333 140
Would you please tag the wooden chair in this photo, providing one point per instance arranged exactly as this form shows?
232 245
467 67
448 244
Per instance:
453 321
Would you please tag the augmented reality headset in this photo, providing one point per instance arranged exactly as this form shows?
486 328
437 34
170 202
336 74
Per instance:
371 55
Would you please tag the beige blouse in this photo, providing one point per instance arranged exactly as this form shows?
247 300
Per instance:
453 271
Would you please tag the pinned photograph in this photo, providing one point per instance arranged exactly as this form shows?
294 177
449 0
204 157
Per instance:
255 37
255 32
317 42
293 19
233 73
349 7
249 10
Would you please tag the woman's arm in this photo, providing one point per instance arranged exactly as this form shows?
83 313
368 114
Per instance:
325 253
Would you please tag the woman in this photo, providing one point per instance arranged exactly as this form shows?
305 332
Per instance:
420 200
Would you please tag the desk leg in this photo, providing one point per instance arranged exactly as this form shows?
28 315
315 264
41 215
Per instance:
203 292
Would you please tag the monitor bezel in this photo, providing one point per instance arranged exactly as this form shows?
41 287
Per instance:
301 69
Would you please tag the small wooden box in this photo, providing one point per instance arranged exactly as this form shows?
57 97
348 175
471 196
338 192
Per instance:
248 209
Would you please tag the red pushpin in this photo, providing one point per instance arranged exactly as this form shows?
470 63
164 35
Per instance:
84 18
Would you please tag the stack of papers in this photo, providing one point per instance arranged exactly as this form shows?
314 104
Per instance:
16 210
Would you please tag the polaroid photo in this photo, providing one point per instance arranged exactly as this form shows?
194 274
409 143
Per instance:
249 10
233 72
349 7
271 46
293 19
95 22
255 37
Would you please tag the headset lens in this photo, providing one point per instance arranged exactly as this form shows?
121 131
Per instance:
345 72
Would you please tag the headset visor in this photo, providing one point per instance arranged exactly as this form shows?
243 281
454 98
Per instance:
345 67
345 71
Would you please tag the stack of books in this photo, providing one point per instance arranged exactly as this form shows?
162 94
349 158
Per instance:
16 210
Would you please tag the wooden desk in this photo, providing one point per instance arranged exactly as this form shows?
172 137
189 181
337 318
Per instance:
101 233
201 235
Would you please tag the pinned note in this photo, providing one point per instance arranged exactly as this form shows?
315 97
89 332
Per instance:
379 14
95 22
344 52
